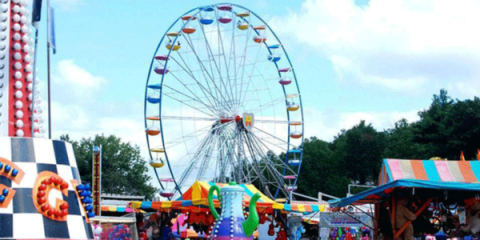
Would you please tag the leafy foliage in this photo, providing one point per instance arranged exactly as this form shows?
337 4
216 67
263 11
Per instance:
123 169
445 128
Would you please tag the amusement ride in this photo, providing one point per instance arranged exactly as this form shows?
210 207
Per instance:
222 104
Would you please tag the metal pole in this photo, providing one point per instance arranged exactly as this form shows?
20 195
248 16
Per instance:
100 183
34 74
48 72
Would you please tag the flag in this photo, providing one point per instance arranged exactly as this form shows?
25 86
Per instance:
461 156
478 154
37 10
51 28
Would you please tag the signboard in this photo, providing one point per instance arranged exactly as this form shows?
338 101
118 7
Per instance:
96 181
248 121
337 219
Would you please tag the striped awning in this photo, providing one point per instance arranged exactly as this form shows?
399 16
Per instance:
429 170
119 209
461 176
196 199
379 193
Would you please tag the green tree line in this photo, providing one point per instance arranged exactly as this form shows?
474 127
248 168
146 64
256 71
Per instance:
444 129
124 171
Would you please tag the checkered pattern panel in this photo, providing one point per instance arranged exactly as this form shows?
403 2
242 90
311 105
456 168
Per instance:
21 219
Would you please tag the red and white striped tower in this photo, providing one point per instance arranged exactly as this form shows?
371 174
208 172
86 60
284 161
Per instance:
16 67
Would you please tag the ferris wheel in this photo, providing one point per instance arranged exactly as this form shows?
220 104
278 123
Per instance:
222 103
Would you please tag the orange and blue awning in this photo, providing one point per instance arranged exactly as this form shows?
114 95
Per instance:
375 195
427 174
429 170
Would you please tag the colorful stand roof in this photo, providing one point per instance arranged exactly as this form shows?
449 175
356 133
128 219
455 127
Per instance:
119 209
426 174
195 199
442 171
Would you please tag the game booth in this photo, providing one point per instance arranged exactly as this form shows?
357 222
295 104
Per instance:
189 216
351 223
424 199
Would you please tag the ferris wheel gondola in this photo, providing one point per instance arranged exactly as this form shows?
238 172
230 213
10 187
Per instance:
224 104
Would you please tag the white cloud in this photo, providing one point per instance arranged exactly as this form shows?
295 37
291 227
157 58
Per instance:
71 75
402 45
73 114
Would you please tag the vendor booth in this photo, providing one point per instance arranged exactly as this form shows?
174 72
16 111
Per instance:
424 198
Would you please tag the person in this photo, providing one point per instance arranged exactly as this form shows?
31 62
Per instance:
385 226
154 223
166 232
97 230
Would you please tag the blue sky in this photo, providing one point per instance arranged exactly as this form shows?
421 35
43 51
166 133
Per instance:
374 60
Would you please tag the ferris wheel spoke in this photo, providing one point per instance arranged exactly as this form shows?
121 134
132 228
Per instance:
271 166
188 170
261 141
183 102
212 56
254 83
249 81
273 136
242 64
205 71
190 73
261 106
202 88
259 47
225 59
233 52
187 136
205 161
280 147
241 175
206 145
224 148
195 97
257 165
189 118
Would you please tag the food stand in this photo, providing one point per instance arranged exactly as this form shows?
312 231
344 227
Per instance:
442 197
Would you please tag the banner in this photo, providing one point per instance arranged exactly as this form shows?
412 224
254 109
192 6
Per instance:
336 219
36 13
51 36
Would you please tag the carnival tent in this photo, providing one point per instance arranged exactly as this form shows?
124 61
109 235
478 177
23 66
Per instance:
425 174
455 179
196 199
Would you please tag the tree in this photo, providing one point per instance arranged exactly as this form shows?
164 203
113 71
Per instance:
401 143
360 152
434 127
123 169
